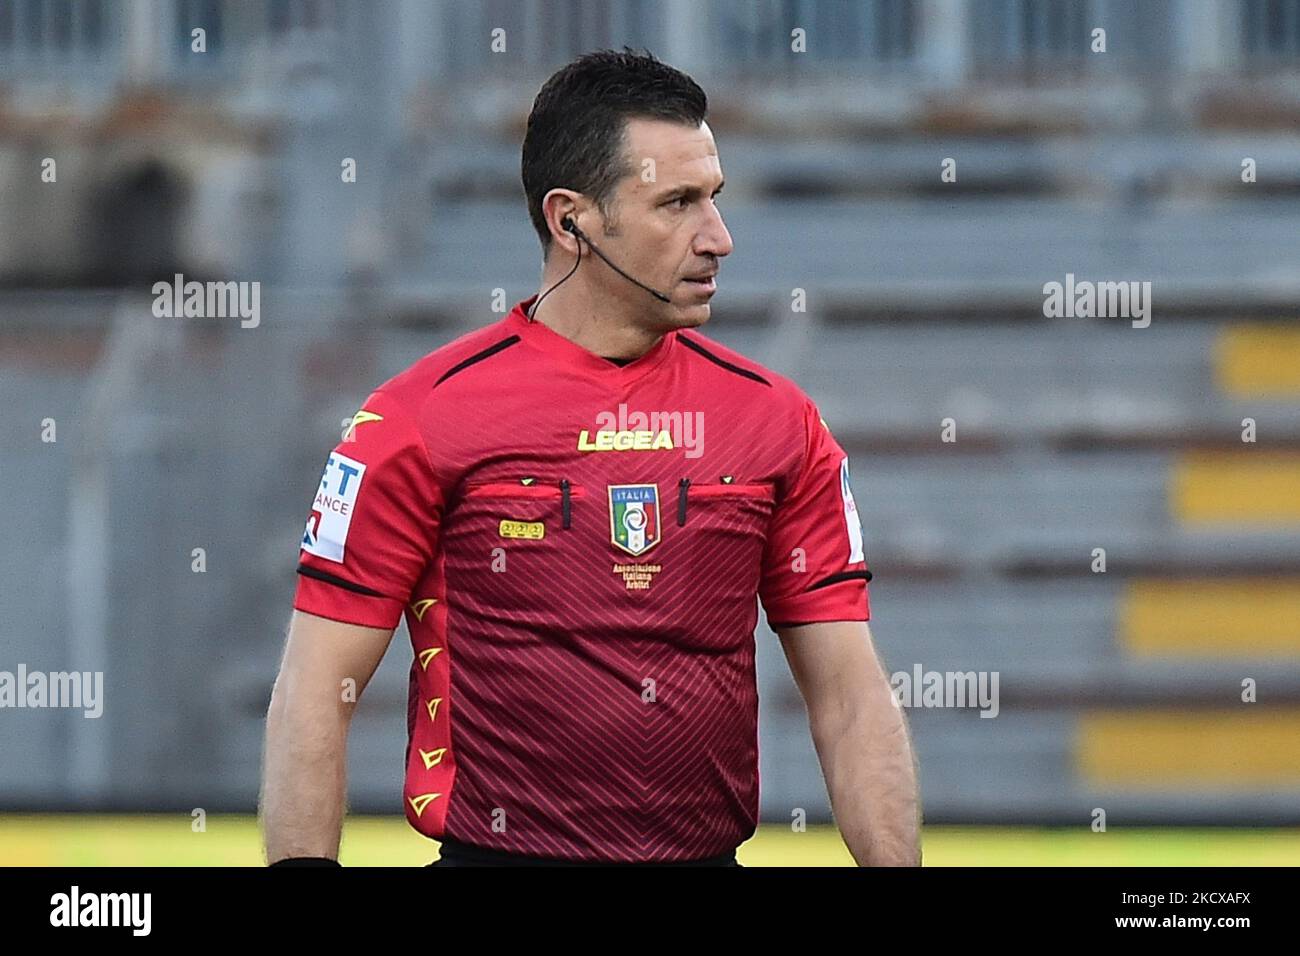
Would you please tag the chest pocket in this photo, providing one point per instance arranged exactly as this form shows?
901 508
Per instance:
722 529
507 546
521 510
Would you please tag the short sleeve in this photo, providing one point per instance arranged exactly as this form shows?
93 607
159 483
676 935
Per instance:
373 525
814 568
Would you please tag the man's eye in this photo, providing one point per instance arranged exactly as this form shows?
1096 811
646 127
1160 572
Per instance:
681 202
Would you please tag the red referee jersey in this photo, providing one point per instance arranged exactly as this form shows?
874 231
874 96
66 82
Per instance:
579 549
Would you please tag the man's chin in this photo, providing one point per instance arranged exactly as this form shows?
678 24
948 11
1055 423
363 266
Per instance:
690 316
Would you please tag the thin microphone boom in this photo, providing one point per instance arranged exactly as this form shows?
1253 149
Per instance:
572 227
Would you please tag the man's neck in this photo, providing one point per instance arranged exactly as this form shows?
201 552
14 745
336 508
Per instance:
573 314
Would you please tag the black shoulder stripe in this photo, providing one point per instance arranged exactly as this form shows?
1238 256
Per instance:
697 347
476 357
310 572
841 576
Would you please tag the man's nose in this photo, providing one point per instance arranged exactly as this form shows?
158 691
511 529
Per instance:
713 239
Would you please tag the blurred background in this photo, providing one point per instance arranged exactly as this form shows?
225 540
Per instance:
1115 530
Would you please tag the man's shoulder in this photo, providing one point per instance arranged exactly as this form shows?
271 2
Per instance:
414 384
770 385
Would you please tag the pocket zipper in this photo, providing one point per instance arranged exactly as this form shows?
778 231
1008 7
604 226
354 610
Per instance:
685 489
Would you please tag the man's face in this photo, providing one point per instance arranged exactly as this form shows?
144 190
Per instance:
667 231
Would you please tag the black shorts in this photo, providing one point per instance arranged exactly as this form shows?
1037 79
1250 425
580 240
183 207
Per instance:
455 853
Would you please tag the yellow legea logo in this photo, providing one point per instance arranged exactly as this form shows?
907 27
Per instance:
359 419
624 440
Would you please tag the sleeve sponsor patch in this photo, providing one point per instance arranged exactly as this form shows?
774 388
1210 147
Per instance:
851 520
326 534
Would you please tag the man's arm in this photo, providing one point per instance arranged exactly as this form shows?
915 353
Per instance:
861 739
304 773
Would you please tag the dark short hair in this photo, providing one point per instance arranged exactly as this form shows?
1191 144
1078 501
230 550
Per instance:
577 128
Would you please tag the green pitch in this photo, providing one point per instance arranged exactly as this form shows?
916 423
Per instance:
233 840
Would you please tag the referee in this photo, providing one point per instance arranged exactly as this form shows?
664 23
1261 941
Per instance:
578 509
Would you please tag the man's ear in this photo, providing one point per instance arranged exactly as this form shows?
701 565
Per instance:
558 205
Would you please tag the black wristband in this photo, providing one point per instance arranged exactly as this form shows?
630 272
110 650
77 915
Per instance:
307 861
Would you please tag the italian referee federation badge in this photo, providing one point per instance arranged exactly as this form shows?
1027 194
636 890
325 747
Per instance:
634 517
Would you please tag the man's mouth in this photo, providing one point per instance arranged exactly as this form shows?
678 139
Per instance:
706 283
